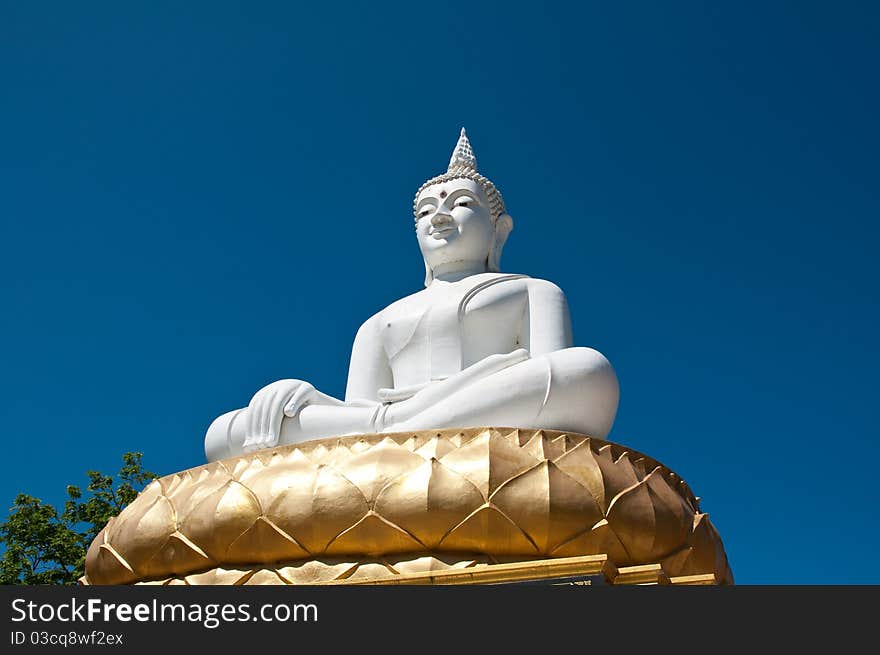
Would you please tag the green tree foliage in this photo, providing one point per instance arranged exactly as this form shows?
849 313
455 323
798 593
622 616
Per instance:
45 546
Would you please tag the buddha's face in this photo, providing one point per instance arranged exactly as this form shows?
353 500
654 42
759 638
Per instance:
454 223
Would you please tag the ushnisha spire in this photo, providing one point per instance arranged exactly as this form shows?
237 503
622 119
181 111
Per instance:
463 164
463 155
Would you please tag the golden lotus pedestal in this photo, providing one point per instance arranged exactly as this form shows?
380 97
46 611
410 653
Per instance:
459 506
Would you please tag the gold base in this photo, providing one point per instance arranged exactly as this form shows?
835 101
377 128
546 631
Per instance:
447 505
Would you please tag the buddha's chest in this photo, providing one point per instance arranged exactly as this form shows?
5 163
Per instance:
449 327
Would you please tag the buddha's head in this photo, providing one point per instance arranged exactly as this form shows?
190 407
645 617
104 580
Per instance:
460 215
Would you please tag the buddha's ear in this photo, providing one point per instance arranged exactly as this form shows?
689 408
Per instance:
503 227
429 274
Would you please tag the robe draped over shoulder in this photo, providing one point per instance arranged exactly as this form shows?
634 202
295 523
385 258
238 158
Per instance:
429 344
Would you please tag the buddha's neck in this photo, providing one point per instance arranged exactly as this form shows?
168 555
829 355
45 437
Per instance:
455 271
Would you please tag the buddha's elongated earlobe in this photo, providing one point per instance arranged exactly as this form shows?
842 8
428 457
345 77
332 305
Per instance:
429 274
503 227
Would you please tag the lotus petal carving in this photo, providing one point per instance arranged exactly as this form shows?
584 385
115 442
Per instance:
375 505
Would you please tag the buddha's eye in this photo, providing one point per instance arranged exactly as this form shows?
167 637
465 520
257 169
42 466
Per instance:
464 201
424 211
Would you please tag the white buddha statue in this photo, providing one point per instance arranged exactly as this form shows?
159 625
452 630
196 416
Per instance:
476 347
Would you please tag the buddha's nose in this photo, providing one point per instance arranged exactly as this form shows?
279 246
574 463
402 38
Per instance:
440 218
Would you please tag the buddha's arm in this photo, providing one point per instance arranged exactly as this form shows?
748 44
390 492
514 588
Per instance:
548 325
287 398
272 403
368 370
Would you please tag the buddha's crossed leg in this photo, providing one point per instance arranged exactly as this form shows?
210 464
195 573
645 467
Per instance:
574 389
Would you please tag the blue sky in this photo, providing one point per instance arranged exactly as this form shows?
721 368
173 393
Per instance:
198 200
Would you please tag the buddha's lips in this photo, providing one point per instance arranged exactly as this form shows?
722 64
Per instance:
442 232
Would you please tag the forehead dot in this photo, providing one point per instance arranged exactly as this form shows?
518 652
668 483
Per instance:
442 194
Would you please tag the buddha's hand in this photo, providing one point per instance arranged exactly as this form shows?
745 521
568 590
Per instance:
268 408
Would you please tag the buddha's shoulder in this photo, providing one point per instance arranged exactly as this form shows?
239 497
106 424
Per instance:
537 285
422 297
401 305
407 301
532 284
